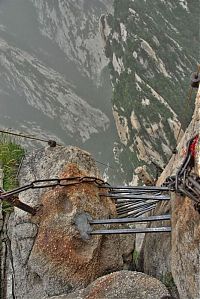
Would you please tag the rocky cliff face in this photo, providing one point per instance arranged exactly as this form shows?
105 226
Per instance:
151 58
177 258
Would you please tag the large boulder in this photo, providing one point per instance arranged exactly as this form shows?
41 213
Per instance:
121 285
51 253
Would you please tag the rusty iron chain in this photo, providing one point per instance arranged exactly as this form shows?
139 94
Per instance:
12 198
46 183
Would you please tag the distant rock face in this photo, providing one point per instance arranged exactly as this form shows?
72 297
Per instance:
121 285
50 255
53 67
178 254
150 64
48 92
74 28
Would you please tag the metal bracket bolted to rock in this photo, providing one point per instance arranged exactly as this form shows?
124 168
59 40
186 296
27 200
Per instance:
82 223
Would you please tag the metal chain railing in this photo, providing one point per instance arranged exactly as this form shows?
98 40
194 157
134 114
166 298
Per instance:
127 197
11 196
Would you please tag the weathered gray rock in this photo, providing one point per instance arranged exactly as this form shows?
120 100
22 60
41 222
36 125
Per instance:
179 253
121 285
185 262
156 253
49 254
185 252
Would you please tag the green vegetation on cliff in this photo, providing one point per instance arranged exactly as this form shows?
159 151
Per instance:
10 157
152 48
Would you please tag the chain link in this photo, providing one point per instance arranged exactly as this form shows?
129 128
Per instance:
47 183
184 182
11 197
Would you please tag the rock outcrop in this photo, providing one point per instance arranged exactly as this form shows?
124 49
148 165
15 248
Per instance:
178 255
121 285
48 254
185 253
149 71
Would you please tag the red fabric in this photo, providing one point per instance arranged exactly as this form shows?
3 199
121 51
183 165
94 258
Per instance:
193 149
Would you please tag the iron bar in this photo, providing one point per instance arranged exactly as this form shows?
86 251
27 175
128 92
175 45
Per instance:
189 194
125 193
142 188
192 188
133 200
137 213
136 192
195 183
130 220
134 211
6 195
128 201
131 231
14 201
124 207
124 204
135 207
28 137
144 197
124 201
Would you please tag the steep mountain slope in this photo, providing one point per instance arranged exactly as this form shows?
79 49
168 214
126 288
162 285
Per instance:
53 73
48 92
153 48
74 28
